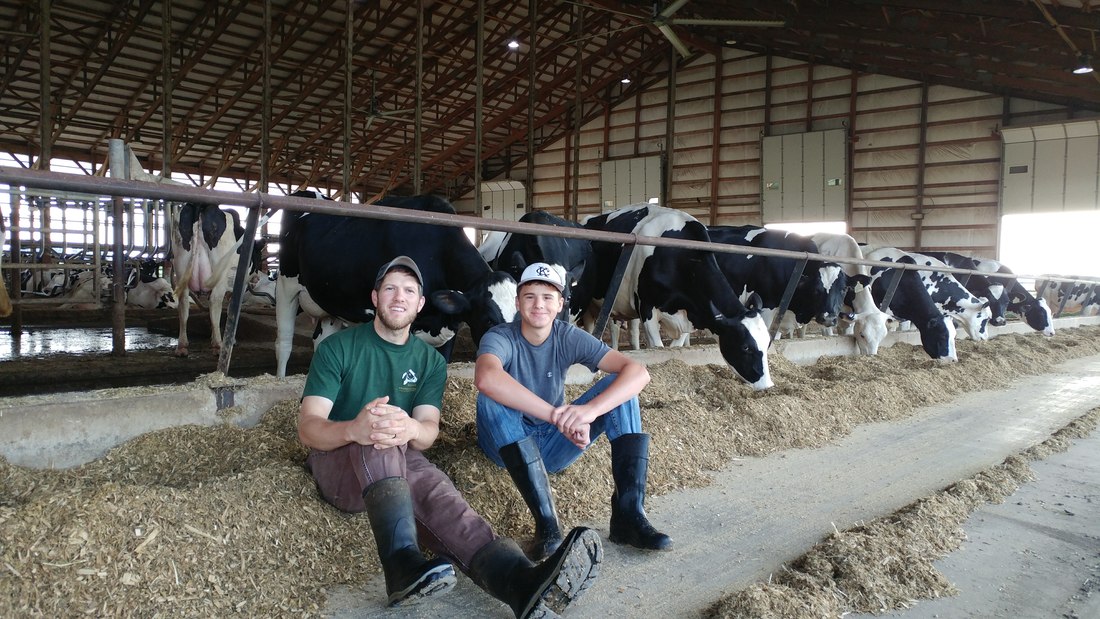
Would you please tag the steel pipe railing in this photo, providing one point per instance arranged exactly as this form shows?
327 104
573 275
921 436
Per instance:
141 189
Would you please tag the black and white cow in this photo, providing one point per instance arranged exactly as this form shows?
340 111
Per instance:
146 289
327 266
868 325
1035 312
983 286
947 293
512 253
687 282
912 302
1071 297
819 293
206 242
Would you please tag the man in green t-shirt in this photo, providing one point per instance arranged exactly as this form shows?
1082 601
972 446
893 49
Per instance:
370 406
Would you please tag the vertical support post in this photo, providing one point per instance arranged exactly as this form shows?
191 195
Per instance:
785 301
578 60
120 168
479 102
922 156
895 279
16 258
229 340
670 127
613 290
532 94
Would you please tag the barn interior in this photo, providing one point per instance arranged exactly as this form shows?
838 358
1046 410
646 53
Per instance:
917 124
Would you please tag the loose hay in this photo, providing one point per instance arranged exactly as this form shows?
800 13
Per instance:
198 521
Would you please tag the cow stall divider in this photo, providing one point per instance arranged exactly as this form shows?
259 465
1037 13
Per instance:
257 201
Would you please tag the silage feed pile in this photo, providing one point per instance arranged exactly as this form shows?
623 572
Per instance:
213 521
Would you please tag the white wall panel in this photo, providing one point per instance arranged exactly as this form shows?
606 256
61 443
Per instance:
1082 166
1063 162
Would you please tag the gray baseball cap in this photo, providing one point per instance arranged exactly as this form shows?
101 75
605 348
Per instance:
400 261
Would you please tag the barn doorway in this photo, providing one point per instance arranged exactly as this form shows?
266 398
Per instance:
1051 243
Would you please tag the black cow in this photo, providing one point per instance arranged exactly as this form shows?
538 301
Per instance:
912 302
327 266
685 282
512 253
818 295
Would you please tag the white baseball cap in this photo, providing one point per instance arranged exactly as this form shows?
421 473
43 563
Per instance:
542 272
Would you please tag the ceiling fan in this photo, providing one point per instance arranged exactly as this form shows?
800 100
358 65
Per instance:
375 111
664 19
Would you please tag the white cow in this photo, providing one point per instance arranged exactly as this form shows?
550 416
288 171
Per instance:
869 325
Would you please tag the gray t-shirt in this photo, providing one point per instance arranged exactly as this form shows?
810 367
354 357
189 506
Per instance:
542 368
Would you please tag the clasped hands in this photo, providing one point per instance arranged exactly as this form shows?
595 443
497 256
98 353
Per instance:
385 425
575 422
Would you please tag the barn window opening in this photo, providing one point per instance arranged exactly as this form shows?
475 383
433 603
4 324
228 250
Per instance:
1051 243
809 228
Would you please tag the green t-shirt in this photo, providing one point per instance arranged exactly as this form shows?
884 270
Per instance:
355 366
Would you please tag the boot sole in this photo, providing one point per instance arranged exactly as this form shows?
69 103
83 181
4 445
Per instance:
576 571
437 580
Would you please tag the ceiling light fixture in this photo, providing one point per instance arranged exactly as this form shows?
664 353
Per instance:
513 44
1084 65
625 80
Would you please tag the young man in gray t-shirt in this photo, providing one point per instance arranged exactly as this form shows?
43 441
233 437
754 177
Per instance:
525 425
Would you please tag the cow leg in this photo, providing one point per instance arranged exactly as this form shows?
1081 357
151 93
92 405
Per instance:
217 299
183 308
652 326
679 328
287 293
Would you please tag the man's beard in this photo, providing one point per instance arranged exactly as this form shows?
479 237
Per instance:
394 321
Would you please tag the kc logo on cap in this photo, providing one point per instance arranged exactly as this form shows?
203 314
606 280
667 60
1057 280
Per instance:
542 272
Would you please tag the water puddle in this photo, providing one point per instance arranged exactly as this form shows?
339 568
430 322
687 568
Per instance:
40 342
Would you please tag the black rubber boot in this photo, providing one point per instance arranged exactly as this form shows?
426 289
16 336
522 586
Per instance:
524 464
629 468
409 576
540 590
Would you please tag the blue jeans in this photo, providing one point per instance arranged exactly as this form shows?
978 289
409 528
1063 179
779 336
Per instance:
498 425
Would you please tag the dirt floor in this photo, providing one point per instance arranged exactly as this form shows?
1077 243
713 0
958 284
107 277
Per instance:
211 521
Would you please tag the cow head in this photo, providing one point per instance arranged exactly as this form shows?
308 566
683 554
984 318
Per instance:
870 329
820 295
937 337
489 303
1038 316
744 344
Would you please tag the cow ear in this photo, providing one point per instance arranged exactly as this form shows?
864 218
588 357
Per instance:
755 303
450 302
575 273
519 263
849 316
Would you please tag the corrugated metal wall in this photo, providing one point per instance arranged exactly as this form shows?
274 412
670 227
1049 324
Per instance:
925 161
